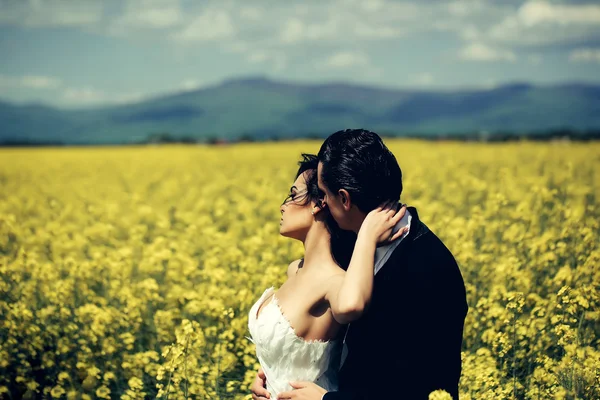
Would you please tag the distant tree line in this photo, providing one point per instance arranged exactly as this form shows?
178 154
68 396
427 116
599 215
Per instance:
481 136
508 136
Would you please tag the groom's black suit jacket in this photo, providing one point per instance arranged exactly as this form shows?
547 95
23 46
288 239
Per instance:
408 342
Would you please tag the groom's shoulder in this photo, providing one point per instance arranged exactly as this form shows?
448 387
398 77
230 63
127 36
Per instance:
428 246
429 240
425 262
423 245
420 234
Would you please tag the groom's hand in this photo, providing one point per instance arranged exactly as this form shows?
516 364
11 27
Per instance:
303 391
258 388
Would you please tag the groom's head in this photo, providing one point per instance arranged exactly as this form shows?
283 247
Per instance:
357 173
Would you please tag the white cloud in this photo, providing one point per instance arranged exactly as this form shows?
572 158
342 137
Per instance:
192 84
535 59
372 5
84 95
257 57
237 47
346 59
585 55
51 13
148 14
423 79
466 8
30 82
254 53
543 23
488 84
212 24
464 30
40 82
127 98
467 18
276 60
470 33
481 52
159 18
271 55
292 31
539 12
296 30
337 27
343 21
90 96
376 32
251 13
414 13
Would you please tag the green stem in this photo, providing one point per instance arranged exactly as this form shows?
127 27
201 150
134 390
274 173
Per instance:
514 356
185 366
170 375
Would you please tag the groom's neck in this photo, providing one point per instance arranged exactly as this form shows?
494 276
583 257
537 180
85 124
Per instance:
355 221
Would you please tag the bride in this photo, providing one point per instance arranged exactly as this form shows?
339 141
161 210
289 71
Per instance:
298 328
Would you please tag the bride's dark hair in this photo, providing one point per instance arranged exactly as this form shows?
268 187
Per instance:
342 242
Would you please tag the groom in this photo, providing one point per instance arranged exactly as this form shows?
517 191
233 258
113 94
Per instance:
408 343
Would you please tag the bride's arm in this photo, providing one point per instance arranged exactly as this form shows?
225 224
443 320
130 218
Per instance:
350 293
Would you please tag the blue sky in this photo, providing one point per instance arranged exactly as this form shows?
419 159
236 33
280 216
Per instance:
82 53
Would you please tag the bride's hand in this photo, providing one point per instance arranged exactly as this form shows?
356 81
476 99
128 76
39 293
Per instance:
379 223
258 388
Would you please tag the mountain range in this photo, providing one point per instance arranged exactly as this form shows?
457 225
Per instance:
262 109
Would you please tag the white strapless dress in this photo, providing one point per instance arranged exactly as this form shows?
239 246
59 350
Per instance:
286 357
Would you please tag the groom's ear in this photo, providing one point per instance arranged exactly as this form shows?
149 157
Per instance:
345 199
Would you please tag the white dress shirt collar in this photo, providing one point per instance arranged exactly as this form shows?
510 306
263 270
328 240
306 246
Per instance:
383 253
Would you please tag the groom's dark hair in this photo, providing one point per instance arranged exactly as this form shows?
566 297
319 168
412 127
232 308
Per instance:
357 160
342 242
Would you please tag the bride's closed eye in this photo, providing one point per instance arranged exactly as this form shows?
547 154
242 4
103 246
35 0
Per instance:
291 195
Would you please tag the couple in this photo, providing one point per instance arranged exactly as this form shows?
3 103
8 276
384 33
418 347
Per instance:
376 308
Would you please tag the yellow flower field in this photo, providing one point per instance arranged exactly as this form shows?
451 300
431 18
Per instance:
128 272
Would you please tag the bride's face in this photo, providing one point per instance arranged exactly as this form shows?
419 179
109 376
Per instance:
296 211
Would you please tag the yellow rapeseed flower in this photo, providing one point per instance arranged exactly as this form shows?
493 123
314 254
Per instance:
129 272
